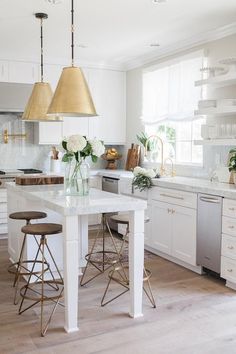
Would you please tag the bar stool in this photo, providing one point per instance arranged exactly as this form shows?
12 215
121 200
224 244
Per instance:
42 290
101 259
19 268
119 273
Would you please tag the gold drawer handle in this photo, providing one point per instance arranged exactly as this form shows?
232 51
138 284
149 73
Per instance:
171 196
230 247
231 227
230 270
232 209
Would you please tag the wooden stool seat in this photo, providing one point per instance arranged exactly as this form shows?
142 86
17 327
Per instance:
124 219
42 229
28 215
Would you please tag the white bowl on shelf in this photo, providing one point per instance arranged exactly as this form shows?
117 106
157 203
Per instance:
213 71
225 102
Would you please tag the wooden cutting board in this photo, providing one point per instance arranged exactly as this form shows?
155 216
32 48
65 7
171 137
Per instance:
39 180
133 157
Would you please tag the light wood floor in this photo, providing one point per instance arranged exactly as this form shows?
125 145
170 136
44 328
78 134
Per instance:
194 315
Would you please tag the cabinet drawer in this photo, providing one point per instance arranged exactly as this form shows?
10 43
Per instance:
228 269
175 197
229 208
228 246
228 226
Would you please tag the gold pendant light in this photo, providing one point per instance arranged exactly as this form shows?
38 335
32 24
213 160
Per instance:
72 96
41 96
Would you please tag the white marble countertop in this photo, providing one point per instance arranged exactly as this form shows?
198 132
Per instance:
97 202
188 184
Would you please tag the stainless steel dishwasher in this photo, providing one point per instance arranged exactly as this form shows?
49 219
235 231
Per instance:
209 221
110 184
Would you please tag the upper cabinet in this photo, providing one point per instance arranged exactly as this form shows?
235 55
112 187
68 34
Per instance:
108 89
4 71
22 72
75 125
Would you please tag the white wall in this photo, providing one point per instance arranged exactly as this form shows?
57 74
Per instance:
215 50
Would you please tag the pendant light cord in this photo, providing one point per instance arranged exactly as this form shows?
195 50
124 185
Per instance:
41 38
72 32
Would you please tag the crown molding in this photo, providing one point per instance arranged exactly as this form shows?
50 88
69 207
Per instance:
180 46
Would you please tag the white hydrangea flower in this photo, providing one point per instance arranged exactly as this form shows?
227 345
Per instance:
138 170
150 173
97 147
76 143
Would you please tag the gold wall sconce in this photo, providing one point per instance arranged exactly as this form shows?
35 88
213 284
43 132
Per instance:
6 136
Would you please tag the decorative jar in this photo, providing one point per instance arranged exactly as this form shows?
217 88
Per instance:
76 177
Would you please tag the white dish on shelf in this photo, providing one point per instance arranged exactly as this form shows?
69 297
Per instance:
231 62
213 71
225 102
206 103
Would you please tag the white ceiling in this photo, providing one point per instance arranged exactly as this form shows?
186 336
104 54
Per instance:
114 31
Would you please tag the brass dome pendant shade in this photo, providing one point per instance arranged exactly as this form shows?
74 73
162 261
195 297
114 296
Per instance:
72 96
41 96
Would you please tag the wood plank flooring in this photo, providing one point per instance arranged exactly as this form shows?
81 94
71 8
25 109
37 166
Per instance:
194 315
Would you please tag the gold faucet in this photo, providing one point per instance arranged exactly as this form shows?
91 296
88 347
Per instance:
162 170
6 136
173 173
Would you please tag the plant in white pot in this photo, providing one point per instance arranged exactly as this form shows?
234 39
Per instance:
232 163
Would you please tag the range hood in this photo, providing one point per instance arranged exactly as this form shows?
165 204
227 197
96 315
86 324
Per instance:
14 97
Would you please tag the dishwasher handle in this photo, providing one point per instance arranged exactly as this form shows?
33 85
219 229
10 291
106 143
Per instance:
210 200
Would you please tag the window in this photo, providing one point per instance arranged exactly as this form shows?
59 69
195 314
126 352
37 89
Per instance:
169 101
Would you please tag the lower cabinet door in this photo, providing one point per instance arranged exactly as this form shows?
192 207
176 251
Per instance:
184 234
161 225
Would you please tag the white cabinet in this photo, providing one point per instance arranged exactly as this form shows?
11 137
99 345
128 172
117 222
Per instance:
75 125
46 133
184 234
52 74
161 227
4 71
108 89
228 244
173 225
22 72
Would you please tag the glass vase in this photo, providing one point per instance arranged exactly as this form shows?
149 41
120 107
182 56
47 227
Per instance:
76 178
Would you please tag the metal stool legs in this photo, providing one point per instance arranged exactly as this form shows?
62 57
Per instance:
101 260
37 288
119 274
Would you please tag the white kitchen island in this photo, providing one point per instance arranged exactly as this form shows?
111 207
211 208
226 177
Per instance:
73 213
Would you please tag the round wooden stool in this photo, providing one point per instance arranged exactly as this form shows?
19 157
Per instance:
120 273
41 290
20 268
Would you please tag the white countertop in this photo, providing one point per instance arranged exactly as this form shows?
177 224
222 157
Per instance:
97 202
188 184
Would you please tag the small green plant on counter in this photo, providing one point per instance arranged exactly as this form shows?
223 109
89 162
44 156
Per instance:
142 138
232 160
143 178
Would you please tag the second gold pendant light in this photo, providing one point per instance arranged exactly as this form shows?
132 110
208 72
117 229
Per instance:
41 96
72 96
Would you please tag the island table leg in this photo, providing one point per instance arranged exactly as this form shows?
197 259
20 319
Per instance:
136 261
71 227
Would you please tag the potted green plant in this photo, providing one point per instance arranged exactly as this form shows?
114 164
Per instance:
232 163
143 178
143 139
